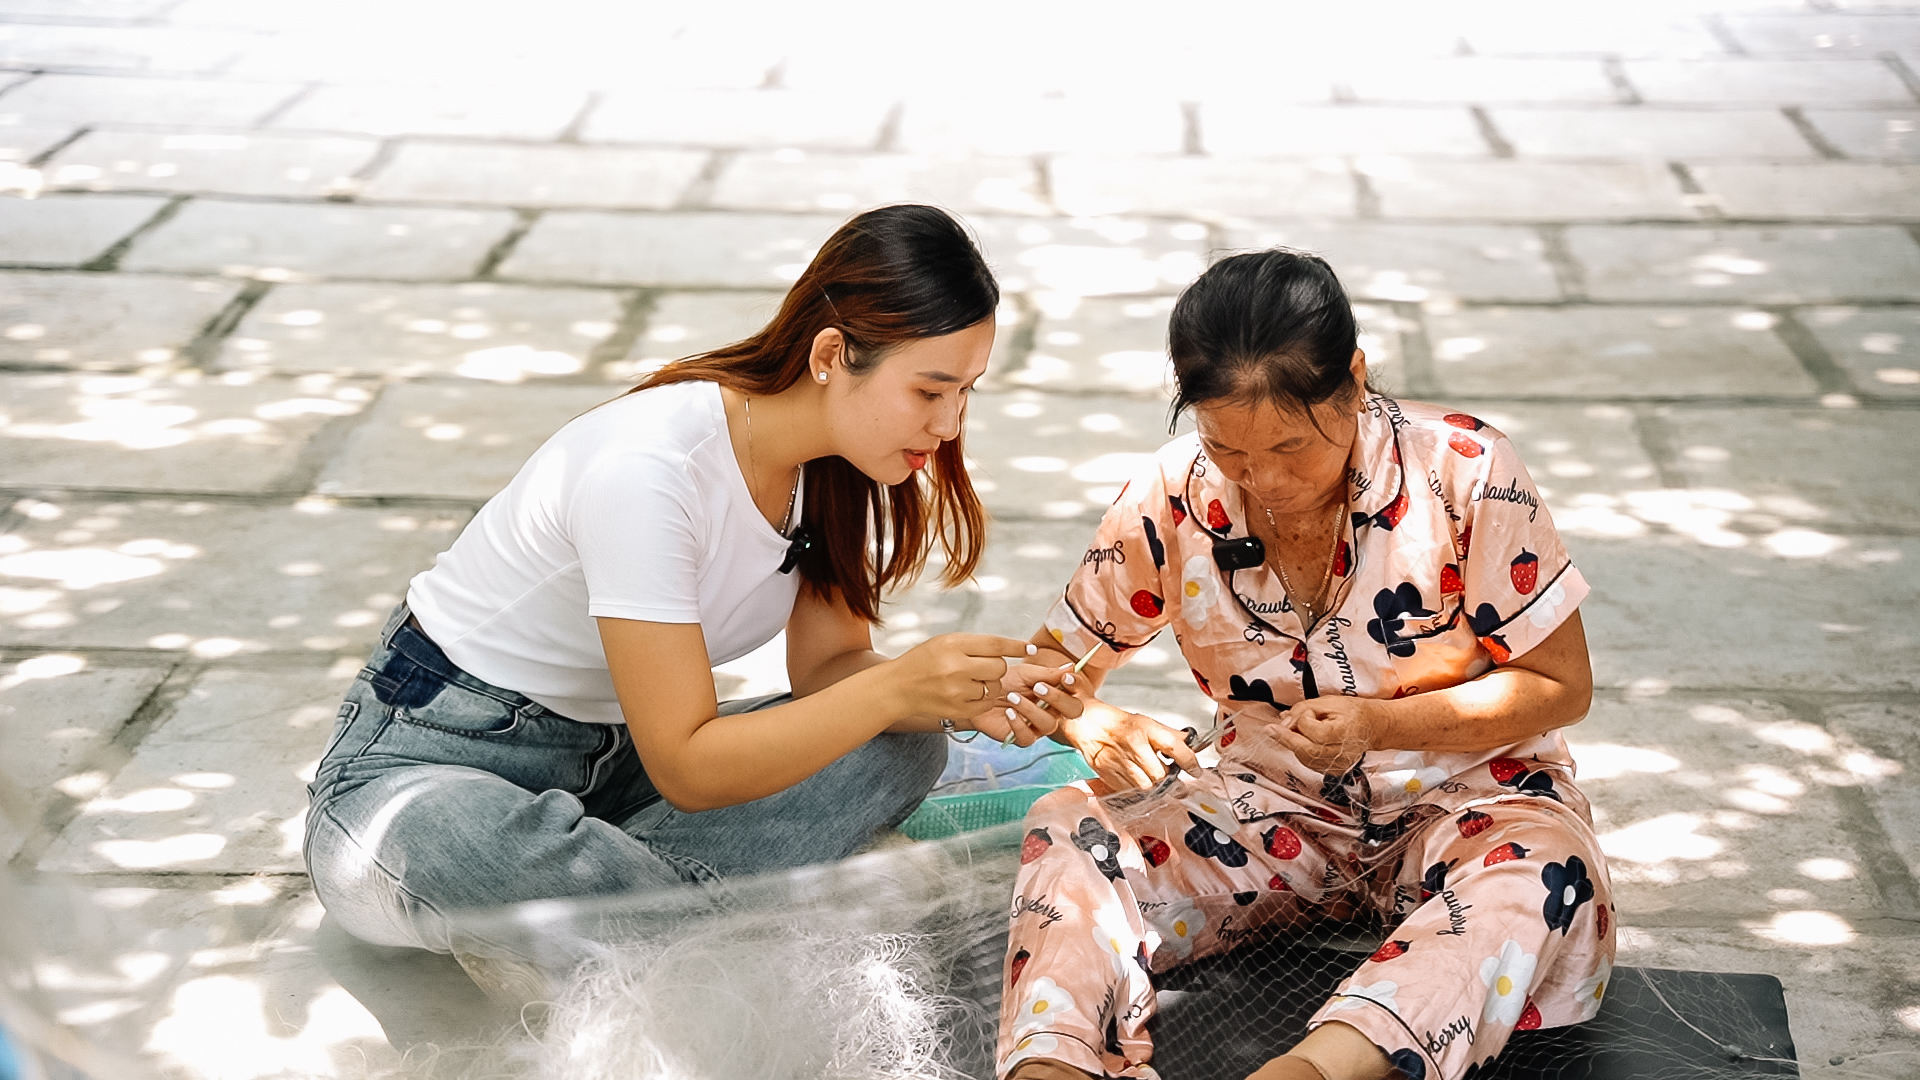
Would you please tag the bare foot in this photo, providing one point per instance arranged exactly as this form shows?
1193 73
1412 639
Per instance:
1047 1069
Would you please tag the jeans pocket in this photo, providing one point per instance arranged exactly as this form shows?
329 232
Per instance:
455 708
349 709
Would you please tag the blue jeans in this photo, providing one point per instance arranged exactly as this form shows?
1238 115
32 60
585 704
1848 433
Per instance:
441 792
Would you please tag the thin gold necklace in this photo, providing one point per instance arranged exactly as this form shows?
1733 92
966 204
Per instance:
753 467
1326 578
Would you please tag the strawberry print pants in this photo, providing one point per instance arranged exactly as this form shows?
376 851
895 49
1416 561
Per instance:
1498 901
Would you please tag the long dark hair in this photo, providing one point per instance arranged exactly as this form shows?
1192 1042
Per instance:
886 277
1271 326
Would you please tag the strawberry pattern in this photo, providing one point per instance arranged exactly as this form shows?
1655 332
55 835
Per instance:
1484 864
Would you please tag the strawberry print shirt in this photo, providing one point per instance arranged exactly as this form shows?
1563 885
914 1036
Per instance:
1448 564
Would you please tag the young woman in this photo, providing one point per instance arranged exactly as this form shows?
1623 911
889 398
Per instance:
540 719
1376 597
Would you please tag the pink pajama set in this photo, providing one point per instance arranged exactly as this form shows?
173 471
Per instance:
1484 864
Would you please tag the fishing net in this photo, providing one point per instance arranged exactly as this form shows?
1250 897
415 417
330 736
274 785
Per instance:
885 965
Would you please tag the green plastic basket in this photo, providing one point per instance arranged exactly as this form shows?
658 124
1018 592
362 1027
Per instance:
950 815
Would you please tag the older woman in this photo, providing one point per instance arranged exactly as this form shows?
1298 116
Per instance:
1376 598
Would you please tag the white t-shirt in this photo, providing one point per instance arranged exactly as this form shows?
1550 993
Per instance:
637 510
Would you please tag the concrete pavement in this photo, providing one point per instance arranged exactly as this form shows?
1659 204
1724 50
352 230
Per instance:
287 290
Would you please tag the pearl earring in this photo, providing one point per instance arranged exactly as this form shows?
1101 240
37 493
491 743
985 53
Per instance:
822 376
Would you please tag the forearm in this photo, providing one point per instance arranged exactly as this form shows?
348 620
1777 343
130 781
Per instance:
747 756
833 670
1502 707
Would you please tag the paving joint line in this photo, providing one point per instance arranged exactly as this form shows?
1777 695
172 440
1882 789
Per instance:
43 157
110 258
503 247
1416 349
285 106
698 194
1815 138
571 133
1898 65
1616 73
356 181
1812 355
636 310
1043 181
1568 274
200 353
266 499
1497 143
1191 143
304 472
887 139
1366 200
1656 441
1717 27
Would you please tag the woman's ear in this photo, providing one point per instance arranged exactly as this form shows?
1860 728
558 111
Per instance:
828 352
1359 370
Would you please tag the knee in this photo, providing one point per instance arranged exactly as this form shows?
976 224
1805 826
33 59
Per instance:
914 762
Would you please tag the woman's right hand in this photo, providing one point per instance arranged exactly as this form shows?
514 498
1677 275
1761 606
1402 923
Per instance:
954 675
1125 748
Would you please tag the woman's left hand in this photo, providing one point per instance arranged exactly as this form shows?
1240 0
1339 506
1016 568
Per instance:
1329 734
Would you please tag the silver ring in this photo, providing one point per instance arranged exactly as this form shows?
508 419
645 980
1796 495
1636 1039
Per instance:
983 691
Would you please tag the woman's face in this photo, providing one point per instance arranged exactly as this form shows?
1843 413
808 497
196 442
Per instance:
1279 457
889 421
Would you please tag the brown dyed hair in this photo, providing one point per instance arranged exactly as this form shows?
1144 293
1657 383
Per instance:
888 276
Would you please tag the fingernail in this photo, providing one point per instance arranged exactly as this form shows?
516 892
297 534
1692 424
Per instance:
1068 680
1040 688
1011 715
1015 698
1032 648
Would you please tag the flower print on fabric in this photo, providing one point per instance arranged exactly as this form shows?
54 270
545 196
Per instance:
1392 608
1546 609
1239 689
1587 996
1179 924
1507 976
1199 590
1046 1001
1567 888
1205 840
1036 1045
1117 941
1101 846
1359 997
1412 774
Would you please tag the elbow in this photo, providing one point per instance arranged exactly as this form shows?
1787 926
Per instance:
686 793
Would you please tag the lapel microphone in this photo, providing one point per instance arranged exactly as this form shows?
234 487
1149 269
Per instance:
801 544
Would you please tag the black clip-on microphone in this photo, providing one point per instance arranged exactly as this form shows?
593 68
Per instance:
801 544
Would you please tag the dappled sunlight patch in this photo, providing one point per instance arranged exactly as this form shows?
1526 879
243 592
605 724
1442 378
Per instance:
1827 869
217 1028
1807 927
1608 761
173 851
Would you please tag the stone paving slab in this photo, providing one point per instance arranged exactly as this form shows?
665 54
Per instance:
1884 731
1826 33
1792 265
682 324
1880 348
68 230
453 442
1662 134
22 144
796 180
211 578
118 49
1848 990
1611 352
276 241
683 249
1809 467
103 320
1526 190
1204 188
56 714
1800 82
217 787
1251 127
740 118
521 111
222 164
1417 262
162 434
1107 124
1719 803
1091 257
1586 460
1830 189
1594 32
1880 134
608 177
1105 343
1037 457
1670 609
1481 79
478 330
119 101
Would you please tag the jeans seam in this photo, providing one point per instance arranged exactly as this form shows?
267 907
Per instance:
373 860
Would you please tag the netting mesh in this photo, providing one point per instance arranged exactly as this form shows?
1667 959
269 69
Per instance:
886 965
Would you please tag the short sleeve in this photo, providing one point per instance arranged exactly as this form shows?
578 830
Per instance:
1118 594
1520 583
632 521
